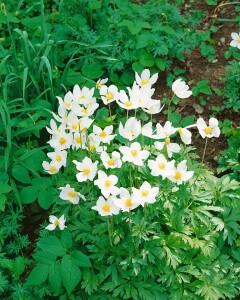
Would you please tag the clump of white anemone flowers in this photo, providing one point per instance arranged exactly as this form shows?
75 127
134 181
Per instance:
181 89
56 223
235 40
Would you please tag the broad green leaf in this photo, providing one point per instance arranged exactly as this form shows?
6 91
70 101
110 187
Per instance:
81 259
160 64
21 174
93 71
28 194
46 198
137 67
167 29
42 183
66 239
18 266
5 188
55 276
38 275
44 257
70 273
147 60
52 244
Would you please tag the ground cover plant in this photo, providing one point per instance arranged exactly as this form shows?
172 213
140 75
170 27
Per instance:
112 201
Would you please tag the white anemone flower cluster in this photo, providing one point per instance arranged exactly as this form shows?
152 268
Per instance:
98 155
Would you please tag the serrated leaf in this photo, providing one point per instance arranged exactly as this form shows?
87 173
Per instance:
52 244
93 71
66 239
147 60
46 198
38 275
81 259
160 64
70 273
44 257
55 279
42 183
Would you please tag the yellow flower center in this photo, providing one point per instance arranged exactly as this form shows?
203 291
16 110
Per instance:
92 147
86 171
58 158
178 175
111 162
167 141
85 111
103 134
134 152
99 85
106 207
128 104
79 122
208 130
78 140
128 202
71 194
108 183
145 81
109 96
68 104
56 223
62 141
238 40
161 166
180 131
74 127
144 193
52 169
81 97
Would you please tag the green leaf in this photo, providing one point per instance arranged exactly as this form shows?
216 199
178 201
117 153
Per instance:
46 198
18 266
5 188
137 67
44 257
167 29
66 239
134 28
38 275
160 64
42 183
81 259
21 174
28 194
55 276
147 60
187 121
52 244
70 273
174 118
3 200
93 71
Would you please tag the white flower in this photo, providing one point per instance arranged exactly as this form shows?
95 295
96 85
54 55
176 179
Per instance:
94 144
68 193
185 135
101 82
87 169
131 129
79 140
61 140
166 131
153 107
161 166
134 154
111 162
125 203
67 102
208 131
105 135
147 130
180 173
56 223
85 123
171 147
83 111
109 94
59 157
181 89
106 207
140 96
107 184
82 96
146 194
145 78
50 168
236 40
124 101
54 129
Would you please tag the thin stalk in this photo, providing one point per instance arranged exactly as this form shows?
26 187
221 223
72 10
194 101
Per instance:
109 232
169 105
130 228
204 151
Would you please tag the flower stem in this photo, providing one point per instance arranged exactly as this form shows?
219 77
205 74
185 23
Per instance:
204 152
169 105
109 232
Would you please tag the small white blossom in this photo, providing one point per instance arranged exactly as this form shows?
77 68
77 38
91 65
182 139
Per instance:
180 173
125 202
68 193
146 194
145 78
87 169
51 168
131 129
106 207
208 131
56 223
107 184
134 154
235 40
111 162
181 89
